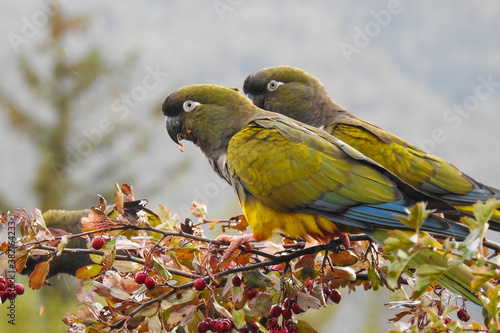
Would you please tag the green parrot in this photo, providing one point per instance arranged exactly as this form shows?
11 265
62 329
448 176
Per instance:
295 178
299 95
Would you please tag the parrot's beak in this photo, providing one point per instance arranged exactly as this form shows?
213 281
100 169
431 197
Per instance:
174 125
258 100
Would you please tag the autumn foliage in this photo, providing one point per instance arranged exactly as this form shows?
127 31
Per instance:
152 272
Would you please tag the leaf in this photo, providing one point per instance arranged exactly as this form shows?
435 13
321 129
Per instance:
255 279
305 327
88 271
37 277
427 274
416 216
343 258
307 301
109 255
261 304
239 318
85 292
62 244
484 211
158 265
198 210
482 275
119 200
183 297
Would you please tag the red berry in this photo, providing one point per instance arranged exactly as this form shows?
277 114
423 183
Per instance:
149 283
463 315
292 328
447 320
287 314
283 330
287 304
296 308
2 280
236 281
213 325
202 327
199 284
309 284
11 293
97 243
335 296
253 326
3 296
2 286
140 277
225 326
19 289
251 293
275 310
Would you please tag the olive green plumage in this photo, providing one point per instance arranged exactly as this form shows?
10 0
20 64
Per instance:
301 96
295 178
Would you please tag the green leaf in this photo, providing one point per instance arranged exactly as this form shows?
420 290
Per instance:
416 216
88 271
484 211
255 279
427 274
305 327
158 265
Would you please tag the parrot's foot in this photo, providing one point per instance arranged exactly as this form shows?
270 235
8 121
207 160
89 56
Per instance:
344 238
235 242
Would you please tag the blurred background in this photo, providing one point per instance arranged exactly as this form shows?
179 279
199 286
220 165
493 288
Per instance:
82 84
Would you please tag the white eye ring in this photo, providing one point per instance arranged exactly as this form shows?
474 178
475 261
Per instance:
189 105
273 85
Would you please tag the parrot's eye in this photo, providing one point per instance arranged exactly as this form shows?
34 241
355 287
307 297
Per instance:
273 85
189 105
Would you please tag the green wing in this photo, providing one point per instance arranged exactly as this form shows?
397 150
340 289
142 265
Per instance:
412 165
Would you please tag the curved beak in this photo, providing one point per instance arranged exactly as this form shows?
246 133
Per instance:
174 125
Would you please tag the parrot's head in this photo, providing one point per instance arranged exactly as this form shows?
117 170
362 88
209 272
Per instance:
207 115
289 91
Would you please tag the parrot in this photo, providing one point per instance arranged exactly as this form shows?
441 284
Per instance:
298 179
301 96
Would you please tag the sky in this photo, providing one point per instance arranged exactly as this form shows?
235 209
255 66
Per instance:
426 71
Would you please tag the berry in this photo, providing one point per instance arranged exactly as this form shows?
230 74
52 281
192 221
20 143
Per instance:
2 280
97 243
288 303
140 277
287 314
213 325
251 293
253 326
149 283
447 320
199 284
3 296
19 289
225 326
296 308
283 330
309 284
275 310
463 315
202 327
292 327
11 294
2 286
236 281
335 296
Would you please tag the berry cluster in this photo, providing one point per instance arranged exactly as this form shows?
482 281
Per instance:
9 289
215 325
289 307
332 294
143 278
